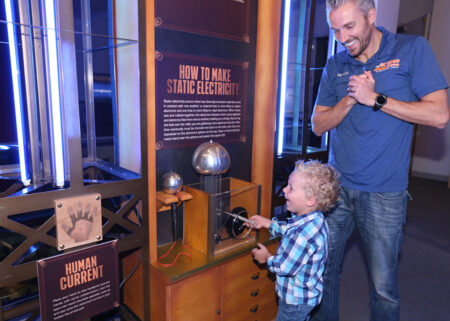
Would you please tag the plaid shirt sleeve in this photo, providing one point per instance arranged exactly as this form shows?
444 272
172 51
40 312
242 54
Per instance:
277 228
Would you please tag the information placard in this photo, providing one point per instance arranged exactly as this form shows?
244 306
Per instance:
206 17
199 99
80 284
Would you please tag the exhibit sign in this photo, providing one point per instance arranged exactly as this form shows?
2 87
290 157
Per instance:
199 99
80 284
206 17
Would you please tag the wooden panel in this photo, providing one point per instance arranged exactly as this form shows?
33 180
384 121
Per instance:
241 265
244 194
255 279
236 183
265 310
148 93
133 288
248 296
246 263
198 297
159 296
196 220
266 76
164 200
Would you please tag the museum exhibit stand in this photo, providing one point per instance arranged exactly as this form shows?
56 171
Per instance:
82 190
186 279
208 273
228 287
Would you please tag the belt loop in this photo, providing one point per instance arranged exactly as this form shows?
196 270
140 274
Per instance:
409 196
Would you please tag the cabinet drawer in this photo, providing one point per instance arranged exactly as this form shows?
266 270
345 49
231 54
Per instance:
265 310
254 279
245 263
248 297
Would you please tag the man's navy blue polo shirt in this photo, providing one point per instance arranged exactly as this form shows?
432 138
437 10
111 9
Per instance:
371 150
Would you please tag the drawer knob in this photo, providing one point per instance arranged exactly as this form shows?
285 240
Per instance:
255 276
254 293
254 309
218 312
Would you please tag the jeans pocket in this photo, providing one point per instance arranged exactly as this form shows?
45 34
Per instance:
392 195
388 210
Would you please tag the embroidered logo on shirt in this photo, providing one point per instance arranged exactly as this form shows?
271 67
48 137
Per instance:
394 63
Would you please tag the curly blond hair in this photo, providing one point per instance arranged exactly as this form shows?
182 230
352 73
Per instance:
320 181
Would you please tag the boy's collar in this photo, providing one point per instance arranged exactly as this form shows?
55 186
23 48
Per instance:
294 219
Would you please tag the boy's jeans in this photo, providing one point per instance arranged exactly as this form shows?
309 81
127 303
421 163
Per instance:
297 312
379 218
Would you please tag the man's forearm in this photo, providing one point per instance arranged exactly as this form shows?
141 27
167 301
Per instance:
431 110
326 118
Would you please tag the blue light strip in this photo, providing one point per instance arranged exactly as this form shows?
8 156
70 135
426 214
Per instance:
18 107
54 91
287 16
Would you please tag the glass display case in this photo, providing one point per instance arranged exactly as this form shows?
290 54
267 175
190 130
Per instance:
306 45
67 78
215 218
70 125
304 54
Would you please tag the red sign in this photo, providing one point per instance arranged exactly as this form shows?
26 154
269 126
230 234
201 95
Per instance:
80 284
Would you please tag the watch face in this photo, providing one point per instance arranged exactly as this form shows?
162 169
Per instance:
381 100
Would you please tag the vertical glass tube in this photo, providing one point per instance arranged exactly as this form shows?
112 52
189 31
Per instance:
18 102
282 103
55 99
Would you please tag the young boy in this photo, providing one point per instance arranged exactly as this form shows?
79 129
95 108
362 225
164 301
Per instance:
313 188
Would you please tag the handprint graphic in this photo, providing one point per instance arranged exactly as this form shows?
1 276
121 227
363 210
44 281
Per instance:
82 222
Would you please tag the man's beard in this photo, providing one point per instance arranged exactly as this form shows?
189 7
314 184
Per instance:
364 43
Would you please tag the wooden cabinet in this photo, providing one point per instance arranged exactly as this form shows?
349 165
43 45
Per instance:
248 291
196 298
237 290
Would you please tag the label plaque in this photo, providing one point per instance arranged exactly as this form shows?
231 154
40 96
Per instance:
80 284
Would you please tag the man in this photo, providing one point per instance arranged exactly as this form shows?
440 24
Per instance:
370 96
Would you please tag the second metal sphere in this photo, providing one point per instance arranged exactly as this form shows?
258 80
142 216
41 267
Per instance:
211 159
172 182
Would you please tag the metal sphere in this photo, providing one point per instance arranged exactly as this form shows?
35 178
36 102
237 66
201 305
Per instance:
211 159
172 182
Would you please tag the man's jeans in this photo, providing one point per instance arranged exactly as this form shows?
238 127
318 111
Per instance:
379 218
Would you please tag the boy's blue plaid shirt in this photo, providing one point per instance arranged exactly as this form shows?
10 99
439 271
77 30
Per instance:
300 258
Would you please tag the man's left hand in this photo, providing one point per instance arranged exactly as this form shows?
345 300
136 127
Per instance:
362 88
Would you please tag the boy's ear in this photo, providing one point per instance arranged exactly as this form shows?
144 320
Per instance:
311 201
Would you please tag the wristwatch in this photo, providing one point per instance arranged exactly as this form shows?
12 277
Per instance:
380 101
